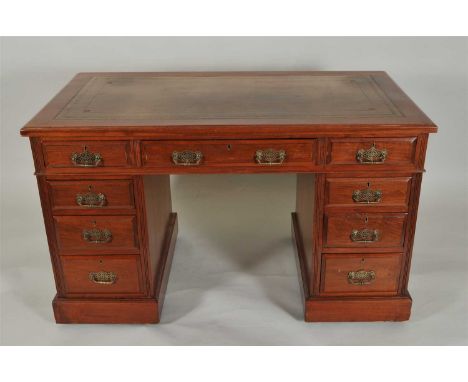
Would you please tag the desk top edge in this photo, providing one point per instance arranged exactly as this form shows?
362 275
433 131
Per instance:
404 114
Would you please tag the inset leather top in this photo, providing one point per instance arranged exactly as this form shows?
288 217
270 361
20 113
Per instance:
314 102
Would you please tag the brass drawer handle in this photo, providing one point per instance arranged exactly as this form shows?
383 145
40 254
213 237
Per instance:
102 277
187 158
97 236
86 158
371 156
361 277
270 156
365 235
91 199
367 196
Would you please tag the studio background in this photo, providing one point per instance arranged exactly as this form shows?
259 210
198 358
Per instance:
234 279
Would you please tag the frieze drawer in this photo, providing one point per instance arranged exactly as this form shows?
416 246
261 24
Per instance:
87 155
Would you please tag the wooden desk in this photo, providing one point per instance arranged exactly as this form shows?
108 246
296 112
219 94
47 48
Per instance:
105 146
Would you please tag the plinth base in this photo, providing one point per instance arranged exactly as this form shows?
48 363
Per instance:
334 309
122 311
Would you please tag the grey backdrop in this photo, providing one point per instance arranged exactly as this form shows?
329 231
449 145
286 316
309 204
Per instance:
233 279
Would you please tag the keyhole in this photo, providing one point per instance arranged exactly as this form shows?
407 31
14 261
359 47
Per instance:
94 223
366 219
100 261
368 184
229 147
90 187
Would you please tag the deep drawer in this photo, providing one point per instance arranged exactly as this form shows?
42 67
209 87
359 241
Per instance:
368 192
102 275
366 153
371 230
261 154
91 195
87 154
96 234
357 274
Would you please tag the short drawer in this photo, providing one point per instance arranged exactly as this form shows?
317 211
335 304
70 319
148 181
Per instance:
96 234
87 154
369 152
368 192
356 230
91 195
261 154
358 274
102 275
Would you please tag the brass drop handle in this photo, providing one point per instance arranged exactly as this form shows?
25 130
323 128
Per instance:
365 235
270 157
97 236
86 158
187 158
91 199
367 195
371 155
361 277
102 277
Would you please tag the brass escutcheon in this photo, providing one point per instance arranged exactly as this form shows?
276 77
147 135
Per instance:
270 156
86 158
91 199
371 156
367 196
97 236
365 235
361 277
103 277
187 158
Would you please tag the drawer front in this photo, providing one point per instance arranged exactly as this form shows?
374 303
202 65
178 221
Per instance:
262 154
102 275
368 192
96 234
365 230
357 274
91 195
367 153
87 154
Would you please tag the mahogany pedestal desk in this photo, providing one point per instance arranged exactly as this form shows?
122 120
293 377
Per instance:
105 146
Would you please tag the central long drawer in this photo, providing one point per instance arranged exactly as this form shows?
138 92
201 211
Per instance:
272 154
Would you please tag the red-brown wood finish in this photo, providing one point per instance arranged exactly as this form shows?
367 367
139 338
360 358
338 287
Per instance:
113 153
394 193
229 154
116 195
339 227
340 309
106 311
157 208
70 234
400 152
336 269
130 124
77 269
